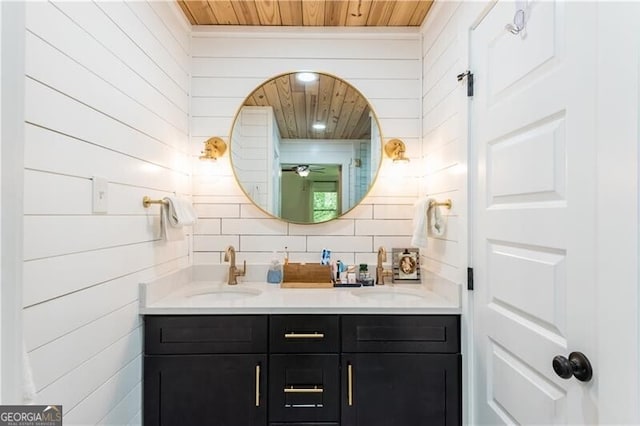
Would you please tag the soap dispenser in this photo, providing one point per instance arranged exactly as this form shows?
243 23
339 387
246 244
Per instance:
274 274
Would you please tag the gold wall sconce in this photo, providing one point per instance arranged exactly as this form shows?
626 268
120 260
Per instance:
214 148
395 150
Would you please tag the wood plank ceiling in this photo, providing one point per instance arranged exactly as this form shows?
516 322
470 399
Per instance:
329 13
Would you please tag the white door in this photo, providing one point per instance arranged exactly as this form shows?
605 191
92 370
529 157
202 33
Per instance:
533 143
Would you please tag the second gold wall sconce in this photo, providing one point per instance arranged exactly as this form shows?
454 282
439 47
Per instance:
395 150
214 148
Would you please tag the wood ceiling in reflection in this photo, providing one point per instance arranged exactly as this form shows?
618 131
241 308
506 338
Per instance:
318 13
327 100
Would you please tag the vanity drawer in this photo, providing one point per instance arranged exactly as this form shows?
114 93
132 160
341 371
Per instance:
304 388
200 334
304 333
401 333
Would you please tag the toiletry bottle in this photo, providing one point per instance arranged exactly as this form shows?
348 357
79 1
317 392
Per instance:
274 274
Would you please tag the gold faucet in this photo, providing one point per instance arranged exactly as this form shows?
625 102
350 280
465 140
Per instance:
380 272
230 256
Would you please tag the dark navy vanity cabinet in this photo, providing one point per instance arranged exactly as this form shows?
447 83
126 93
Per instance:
302 370
205 370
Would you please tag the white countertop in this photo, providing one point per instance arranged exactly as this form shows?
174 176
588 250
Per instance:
195 298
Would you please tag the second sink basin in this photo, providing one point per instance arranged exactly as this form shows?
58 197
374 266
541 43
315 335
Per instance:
389 294
224 293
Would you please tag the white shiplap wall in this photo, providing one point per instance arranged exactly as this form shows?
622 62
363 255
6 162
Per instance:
444 134
444 147
228 65
107 89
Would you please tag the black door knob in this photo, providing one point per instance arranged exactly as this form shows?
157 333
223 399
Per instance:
577 365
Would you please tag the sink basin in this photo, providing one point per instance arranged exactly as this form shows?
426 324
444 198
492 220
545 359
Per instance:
389 294
224 293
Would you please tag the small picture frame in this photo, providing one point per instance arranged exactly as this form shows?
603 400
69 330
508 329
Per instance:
406 265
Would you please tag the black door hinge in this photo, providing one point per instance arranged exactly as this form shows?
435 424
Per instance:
469 278
469 76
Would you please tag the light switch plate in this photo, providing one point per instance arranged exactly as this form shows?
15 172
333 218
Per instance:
100 194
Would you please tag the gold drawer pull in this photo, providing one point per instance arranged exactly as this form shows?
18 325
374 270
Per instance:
314 389
258 385
314 335
350 385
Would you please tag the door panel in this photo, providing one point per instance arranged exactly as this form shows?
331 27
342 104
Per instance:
533 246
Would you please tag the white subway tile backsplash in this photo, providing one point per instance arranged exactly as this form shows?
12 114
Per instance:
217 210
250 211
254 227
207 258
215 242
393 211
381 200
222 199
207 227
339 243
306 257
361 211
271 243
391 242
334 227
215 185
371 259
384 227
395 184
348 258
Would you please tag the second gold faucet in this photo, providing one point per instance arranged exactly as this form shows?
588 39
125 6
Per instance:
380 272
230 256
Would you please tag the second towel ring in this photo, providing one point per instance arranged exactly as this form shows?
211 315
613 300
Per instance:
447 203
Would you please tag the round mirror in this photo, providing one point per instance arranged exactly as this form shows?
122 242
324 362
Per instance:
305 147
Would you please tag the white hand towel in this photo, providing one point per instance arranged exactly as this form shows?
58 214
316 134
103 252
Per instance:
175 214
436 223
168 231
180 212
419 236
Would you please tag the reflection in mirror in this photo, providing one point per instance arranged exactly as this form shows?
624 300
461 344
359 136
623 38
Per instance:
305 147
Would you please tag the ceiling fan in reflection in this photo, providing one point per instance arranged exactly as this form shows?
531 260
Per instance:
303 170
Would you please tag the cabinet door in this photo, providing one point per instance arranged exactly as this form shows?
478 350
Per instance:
213 390
401 389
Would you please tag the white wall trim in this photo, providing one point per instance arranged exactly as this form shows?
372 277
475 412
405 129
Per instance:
177 11
241 31
12 157
617 139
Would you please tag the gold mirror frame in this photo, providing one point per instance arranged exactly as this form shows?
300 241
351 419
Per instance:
374 119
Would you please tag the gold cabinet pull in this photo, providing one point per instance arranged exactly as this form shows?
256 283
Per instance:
314 389
314 335
257 385
350 385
